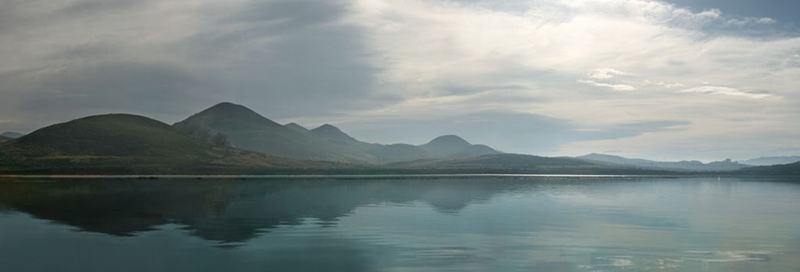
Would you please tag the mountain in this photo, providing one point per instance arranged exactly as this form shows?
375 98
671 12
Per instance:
129 144
454 146
766 161
246 129
4 138
691 166
296 127
331 133
792 169
334 138
12 135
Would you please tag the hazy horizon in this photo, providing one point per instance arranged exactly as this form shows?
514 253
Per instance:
662 80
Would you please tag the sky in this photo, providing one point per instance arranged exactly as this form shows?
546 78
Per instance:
666 80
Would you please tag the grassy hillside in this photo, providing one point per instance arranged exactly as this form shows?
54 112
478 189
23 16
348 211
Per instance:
130 144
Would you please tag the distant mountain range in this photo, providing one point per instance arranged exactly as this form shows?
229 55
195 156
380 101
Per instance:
246 129
519 163
766 161
792 169
232 139
688 166
12 135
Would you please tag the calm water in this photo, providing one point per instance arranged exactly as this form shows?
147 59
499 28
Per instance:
478 224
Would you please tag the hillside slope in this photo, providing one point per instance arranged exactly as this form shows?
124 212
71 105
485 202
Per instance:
129 144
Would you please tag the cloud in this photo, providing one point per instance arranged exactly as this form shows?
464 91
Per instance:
664 84
382 62
750 21
282 58
616 87
547 45
717 90
605 73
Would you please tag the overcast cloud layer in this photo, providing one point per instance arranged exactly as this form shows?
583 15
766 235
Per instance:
636 78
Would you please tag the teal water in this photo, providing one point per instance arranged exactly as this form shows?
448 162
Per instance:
401 224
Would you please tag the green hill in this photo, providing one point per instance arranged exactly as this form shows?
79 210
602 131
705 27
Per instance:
130 144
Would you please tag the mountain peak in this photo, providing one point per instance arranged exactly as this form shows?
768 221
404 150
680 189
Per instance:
296 127
451 140
228 108
227 116
328 127
452 145
598 155
331 132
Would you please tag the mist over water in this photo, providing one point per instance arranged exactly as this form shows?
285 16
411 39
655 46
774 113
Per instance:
388 224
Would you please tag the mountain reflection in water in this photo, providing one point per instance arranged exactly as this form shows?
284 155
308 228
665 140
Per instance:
225 210
362 224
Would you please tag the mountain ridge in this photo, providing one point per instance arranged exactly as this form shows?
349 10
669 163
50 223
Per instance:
772 160
296 127
257 133
791 169
689 166
230 138
126 143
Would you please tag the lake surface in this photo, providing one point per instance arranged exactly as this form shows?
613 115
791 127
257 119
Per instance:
401 224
